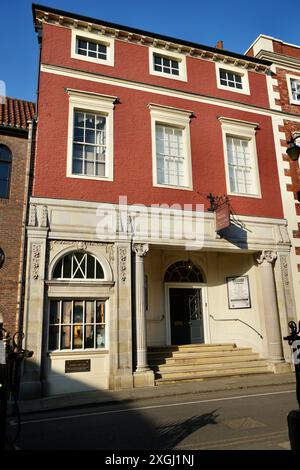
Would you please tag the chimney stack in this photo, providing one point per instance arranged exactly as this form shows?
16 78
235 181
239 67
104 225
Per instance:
219 45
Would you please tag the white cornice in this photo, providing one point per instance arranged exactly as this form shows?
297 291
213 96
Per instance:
280 59
123 35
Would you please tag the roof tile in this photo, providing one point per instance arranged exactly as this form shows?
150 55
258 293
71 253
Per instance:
16 113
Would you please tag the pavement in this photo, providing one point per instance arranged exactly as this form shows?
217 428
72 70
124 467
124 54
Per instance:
79 399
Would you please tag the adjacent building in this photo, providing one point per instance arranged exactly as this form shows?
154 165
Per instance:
284 95
16 118
139 135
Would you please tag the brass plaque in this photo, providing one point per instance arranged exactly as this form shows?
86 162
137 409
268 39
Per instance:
81 365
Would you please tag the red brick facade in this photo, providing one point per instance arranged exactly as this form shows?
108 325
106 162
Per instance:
13 135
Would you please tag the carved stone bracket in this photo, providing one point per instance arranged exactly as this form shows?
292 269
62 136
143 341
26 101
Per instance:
36 255
266 256
122 263
141 249
44 219
32 216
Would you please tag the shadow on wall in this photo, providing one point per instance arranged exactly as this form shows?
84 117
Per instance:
95 421
236 235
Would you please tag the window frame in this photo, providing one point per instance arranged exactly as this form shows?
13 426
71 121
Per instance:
93 37
236 71
94 103
9 164
289 85
241 130
72 324
180 58
174 118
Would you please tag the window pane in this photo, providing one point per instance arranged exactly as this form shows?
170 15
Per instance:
4 188
100 336
78 134
67 264
78 312
54 312
5 154
57 274
92 46
79 119
90 267
66 312
89 337
99 271
89 312
66 337
53 338
82 44
77 167
100 122
90 121
4 171
100 313
77 336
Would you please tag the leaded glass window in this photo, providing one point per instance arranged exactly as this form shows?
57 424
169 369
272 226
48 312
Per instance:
183 271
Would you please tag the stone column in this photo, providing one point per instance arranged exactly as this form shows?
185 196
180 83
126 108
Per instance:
143 376
273 332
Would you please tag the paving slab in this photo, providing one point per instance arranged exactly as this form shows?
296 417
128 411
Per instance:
73 400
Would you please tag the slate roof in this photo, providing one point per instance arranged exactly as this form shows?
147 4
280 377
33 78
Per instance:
16 113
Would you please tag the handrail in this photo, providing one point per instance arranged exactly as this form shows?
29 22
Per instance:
237 319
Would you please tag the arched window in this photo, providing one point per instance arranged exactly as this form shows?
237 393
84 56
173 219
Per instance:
77 323
183 271
5 171
78 265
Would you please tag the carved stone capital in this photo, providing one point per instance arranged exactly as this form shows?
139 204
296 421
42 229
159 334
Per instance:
141 249
267 256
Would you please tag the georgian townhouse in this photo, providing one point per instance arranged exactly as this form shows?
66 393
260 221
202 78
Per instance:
16 118
137 263
284 96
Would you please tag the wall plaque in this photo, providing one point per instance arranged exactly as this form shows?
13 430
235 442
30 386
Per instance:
238 292
80 365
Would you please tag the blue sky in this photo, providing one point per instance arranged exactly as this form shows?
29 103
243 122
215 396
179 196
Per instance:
237 23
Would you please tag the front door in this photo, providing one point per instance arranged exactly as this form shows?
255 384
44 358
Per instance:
186 316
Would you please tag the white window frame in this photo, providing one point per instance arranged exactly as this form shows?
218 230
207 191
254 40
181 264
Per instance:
84 324
245 90
288 79
242 130
180 58
101 104
94 37
175 118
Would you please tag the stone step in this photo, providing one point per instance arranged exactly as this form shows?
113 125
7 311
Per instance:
179 363
190 348
200 356
193 368
201 376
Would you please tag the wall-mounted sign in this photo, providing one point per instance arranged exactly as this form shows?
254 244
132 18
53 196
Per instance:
222 217
238 292
81 365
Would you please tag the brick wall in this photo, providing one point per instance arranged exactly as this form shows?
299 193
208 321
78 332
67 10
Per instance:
11 212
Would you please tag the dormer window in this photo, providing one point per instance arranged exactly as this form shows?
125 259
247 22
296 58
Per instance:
92 47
